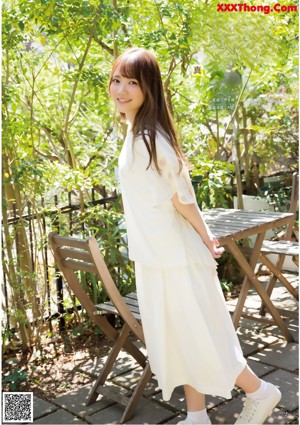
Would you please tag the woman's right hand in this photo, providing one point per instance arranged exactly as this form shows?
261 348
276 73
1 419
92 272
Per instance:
214 246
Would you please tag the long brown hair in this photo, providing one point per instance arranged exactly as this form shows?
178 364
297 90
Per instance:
154 114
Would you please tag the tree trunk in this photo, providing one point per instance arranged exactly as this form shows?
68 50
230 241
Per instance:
18 313
236 153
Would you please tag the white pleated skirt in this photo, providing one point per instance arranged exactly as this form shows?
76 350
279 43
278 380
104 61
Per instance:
189 334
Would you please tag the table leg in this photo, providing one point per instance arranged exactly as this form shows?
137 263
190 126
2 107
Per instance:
251 279
246 284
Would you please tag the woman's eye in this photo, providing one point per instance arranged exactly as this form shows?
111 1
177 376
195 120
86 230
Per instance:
115 80
133 82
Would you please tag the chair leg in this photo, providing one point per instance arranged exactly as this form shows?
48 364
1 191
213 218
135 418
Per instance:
251 279
276 275
109 364
136 395
113 334
136 353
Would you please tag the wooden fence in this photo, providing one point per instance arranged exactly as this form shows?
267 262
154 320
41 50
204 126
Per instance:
38 224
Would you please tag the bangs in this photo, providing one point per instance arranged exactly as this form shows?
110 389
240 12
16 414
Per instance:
130 68
139 65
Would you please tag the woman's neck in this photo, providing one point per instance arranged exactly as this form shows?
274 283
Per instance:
130 118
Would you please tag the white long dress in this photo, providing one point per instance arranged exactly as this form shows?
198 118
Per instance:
189 333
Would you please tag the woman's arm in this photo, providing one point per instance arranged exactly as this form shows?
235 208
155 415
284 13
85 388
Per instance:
193 215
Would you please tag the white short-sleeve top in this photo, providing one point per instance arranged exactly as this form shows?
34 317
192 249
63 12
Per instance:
154 227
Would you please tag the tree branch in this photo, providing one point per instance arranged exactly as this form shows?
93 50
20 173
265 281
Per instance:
103 45
44 155
77 79
72 99
237 103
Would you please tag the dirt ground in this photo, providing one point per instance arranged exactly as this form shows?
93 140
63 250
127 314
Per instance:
53 371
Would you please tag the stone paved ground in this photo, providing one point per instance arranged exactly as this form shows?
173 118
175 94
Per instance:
270 356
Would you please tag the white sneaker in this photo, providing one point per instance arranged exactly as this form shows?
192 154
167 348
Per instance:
189 422
256 411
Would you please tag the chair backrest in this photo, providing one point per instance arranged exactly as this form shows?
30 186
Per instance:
293 204
75 254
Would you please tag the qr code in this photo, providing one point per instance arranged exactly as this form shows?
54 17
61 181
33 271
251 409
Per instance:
17 407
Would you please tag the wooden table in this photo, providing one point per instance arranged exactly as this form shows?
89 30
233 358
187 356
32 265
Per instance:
230 226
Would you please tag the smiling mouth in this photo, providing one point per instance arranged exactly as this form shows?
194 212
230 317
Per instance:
123 100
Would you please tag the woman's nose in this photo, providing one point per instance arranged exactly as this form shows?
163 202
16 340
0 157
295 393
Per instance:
121 88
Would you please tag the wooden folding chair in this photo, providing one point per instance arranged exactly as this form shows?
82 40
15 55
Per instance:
284 247
74 254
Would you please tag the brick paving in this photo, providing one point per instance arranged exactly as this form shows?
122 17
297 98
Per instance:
270 356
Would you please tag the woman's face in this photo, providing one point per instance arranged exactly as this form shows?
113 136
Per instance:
127 94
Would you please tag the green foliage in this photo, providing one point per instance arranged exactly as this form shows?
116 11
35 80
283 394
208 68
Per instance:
107 226
280 198
226 285
14 377
44 44
212 182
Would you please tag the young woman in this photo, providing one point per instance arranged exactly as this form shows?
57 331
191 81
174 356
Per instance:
189 334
